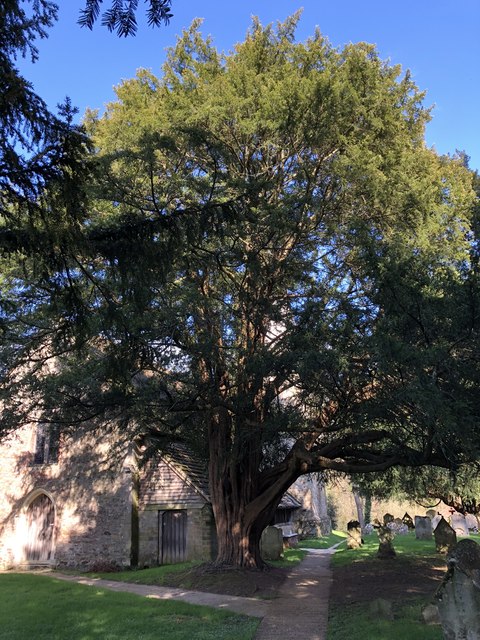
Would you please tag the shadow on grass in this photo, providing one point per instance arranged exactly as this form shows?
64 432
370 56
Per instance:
44 608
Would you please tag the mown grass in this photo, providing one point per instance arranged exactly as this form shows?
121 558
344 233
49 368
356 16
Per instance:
43 608
161 575
357 621
325 542
291 557
155 575
405 545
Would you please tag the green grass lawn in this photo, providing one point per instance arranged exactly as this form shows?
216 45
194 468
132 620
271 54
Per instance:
161 575
325 542
43 608
404 546
155 575
356 620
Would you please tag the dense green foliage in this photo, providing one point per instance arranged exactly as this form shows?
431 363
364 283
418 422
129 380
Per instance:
269 265
48 609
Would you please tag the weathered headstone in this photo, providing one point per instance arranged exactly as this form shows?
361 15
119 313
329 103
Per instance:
430 614
435 521
459 524
431 513
385 539
388 518
459 595
354 534
407 519
472 522
271 543
423 528
445 537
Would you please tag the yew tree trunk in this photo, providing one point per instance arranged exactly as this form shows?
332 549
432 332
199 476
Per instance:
241 511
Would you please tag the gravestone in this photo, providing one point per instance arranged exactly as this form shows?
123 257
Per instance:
388 518
459 524
385 547
423 528
458 597
407 519
472 522
431 513
271 543
445 537
435 521
354 535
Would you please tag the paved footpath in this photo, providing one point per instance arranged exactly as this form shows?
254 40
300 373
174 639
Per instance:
299 611
301 608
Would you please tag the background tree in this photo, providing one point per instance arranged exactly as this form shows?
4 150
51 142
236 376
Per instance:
272 268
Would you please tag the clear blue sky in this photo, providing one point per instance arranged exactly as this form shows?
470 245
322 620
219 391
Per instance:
438 40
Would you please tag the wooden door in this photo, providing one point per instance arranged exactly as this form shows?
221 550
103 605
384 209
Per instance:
173 536
41 523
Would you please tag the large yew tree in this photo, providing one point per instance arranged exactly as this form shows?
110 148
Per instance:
271 267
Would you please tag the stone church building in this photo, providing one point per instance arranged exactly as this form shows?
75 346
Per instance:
66 502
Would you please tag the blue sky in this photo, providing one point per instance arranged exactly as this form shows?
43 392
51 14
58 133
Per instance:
438 40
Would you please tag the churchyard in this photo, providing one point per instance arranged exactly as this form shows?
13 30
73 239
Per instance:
371 598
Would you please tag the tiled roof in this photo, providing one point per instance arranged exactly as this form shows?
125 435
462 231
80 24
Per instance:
192 468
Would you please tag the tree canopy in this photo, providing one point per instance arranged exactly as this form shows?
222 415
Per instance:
269 265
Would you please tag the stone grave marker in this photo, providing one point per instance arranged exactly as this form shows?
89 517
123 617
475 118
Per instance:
431 513
354 531
445 537
407 519
459 524
472 522
271 543
388 518
385 539
458 597
423 528
436 520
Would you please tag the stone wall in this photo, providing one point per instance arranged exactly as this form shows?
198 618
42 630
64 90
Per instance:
91 497
106 510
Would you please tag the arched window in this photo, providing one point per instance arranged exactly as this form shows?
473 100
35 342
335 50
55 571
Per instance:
46 444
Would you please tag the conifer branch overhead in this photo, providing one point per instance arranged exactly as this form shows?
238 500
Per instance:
121 16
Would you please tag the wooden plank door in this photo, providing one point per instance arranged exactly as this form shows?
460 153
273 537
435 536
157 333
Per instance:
41 523
173 536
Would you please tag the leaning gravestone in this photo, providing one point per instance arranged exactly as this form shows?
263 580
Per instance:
445 537
354 537
435 521
459 524
271 543
459 595
423 528
388 518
